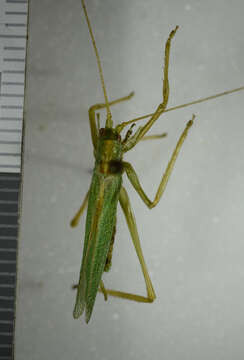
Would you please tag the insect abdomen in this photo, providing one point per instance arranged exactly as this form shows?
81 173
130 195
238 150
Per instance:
100 223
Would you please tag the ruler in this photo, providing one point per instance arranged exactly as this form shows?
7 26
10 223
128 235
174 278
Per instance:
13 35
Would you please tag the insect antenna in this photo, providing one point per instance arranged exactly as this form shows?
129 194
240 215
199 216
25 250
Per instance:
121 126
109 122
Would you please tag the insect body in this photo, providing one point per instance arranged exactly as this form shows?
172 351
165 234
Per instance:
106 191
101 217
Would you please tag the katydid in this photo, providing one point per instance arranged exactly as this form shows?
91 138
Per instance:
106 190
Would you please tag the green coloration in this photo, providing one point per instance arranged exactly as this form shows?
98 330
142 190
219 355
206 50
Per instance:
108 263
106 190
100 221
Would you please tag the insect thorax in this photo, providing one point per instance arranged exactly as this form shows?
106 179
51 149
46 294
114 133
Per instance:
109 152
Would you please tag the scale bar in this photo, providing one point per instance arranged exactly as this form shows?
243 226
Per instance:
12 82
12 79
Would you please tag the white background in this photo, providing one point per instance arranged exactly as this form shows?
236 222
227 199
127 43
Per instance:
193 240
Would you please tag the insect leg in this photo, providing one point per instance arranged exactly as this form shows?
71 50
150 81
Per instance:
92 117
162 106
131 222
134 178
103 290
74 222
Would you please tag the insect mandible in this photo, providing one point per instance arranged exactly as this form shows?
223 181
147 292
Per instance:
106 189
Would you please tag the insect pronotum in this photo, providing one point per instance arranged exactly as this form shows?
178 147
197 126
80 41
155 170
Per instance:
106 189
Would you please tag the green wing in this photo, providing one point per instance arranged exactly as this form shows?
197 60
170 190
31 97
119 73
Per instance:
100 222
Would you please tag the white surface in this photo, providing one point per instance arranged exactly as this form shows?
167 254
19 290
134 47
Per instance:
193 240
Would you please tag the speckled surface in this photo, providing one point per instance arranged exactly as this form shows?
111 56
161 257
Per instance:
193 240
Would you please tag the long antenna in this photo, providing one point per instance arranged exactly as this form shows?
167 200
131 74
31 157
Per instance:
124 124
109 121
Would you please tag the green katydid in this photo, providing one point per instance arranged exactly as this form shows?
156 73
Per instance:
106 190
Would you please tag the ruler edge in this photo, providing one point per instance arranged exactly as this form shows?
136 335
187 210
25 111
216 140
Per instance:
21 174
